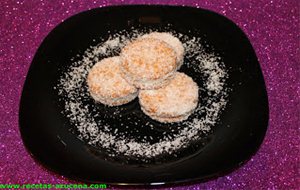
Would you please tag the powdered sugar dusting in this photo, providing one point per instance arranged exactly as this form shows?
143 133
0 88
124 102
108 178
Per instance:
71 88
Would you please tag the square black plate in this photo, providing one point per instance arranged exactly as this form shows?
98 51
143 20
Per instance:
44 128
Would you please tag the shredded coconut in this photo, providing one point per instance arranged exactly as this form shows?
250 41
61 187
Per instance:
72 90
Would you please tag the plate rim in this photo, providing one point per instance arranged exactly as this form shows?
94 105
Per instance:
200 179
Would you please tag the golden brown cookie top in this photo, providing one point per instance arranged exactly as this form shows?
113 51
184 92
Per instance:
148 59
104 79
177 98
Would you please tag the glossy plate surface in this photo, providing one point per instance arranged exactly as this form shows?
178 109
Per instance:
234 139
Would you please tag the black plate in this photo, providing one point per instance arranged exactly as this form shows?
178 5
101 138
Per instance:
237 136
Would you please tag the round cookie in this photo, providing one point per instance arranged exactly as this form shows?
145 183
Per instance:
106 84
172 41
173 102
148 63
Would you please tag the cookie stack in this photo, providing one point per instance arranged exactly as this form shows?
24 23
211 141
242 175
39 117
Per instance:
147 68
